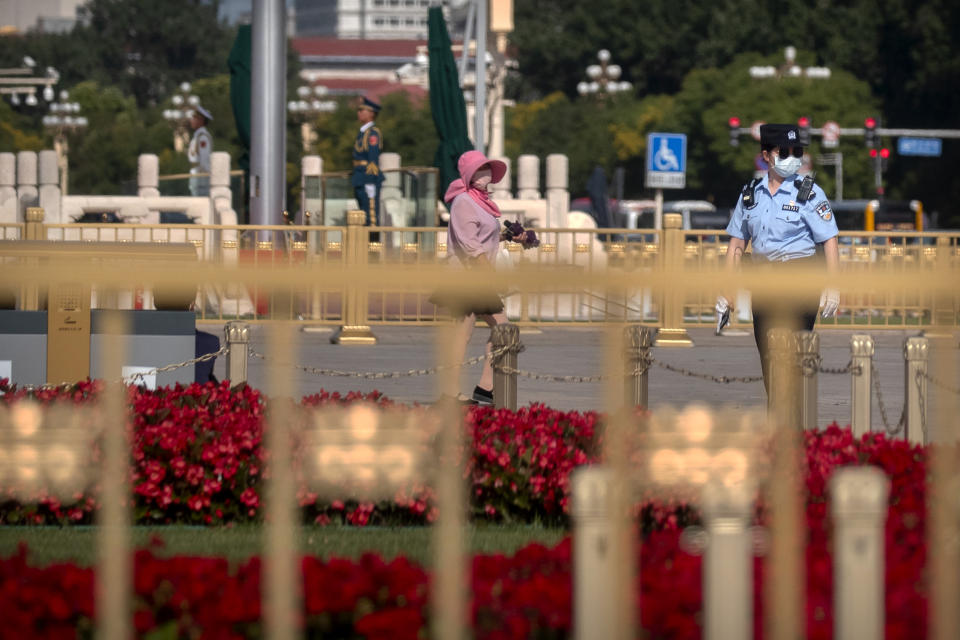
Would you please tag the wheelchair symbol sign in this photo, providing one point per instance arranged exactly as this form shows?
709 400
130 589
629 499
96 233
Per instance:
666 160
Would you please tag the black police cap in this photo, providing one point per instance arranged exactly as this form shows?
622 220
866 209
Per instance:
780 135
370 104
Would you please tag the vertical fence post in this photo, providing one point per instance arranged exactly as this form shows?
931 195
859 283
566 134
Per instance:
637 341
728 562
783 372
505 382
915 352
861 361
858 504
594 575
354 329
32 230
238 341
672 333
808 350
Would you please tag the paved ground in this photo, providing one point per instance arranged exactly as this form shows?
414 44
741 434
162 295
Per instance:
579 351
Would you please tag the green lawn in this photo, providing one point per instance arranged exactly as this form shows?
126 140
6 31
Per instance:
78 544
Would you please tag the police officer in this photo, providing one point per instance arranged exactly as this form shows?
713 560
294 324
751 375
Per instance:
367 177
787 218
198 153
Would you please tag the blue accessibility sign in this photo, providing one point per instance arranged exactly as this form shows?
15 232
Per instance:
666 160
919 146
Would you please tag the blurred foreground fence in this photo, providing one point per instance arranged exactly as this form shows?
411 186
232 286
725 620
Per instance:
723 460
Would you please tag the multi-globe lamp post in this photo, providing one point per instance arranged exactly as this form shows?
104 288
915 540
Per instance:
603 77
179 116
63 117
305 108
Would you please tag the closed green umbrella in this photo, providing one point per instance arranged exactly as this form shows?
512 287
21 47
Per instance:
240 91
446 101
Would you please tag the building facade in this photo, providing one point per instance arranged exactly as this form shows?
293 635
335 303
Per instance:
364 19
52 16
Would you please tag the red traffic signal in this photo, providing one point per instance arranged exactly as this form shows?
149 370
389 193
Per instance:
804 121
804 124
870 132
884 153
870 123
734 123
873 153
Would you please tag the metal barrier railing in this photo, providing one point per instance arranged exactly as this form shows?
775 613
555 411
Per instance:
578 251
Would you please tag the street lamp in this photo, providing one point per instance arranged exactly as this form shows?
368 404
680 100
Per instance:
22 80
306 108
789 68
603 77
179 116
63 118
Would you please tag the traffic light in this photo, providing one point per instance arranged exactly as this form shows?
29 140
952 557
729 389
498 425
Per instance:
804 123
870 133
884 156
734 123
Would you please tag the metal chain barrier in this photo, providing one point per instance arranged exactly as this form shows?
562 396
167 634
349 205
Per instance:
138 376
643 368
939 383
381 375
897 428
706 376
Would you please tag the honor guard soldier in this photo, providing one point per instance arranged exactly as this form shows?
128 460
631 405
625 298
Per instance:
789 221
198 153
367 177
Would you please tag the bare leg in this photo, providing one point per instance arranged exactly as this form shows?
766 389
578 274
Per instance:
462 331
486 377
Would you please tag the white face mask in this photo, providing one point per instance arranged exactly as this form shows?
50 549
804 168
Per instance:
786 167
482 178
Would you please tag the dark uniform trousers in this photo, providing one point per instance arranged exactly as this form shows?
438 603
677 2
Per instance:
370 206
792 311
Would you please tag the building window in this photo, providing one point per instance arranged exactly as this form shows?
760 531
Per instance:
394 22
409 3
423 22
394 3
378 22
378 3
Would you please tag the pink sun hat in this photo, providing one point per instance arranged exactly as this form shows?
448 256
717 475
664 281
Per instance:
471 161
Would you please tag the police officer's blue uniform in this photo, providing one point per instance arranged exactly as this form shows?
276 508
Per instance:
785 227
366 167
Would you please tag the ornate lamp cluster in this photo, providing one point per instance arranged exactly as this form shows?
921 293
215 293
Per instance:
603 77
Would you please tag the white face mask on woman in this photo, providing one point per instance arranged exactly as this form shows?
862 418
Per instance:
481 179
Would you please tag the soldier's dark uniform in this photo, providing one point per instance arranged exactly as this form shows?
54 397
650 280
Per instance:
366 167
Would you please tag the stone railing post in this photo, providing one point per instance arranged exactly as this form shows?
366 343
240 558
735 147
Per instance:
354 329
728 562
8 188
594 573
503 190
861 361
528 177
915 356
238 343
858 504
148 175
558 195
505 382
637 341
671 332
808 351
27 193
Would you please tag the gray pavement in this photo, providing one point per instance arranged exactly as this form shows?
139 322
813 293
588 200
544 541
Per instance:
579 351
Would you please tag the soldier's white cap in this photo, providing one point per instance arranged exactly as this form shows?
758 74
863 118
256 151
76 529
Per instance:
206 114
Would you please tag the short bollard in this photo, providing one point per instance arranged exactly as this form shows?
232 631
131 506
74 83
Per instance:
858 505
238 342
505 336
728 562
637 341
783 372
861 362
915 354
808 350
594 576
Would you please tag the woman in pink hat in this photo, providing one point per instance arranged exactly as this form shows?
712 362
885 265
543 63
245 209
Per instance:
473 239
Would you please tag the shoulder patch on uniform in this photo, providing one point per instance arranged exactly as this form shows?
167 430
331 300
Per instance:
203 143
823 210
373 138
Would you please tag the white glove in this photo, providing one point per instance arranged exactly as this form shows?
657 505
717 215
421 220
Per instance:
371 190
829 301
722 305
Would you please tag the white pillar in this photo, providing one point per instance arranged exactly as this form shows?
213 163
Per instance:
915 351
861 357
311 168
392 213
558 196
728 562
148 175
27 194
8 187
528 177
594 573
858 504
49 191
503 190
